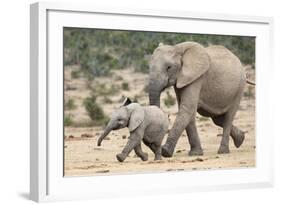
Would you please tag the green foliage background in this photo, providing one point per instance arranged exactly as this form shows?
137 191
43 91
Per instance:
100 51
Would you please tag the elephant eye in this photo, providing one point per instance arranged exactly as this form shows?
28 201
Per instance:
168 68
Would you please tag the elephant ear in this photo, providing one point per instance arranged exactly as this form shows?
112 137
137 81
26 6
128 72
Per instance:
137 117
195 62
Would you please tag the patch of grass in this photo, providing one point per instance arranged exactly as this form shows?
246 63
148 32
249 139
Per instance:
75 74
68 121
95 111
118 78
70 104
136 98
125 86
249 92
141 65
121 99
107 100
169 100
146 88
103 90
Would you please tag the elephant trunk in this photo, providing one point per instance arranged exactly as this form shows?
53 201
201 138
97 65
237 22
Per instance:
154 96
104 134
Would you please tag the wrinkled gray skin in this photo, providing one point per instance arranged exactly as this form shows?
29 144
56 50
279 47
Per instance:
209 81
146 123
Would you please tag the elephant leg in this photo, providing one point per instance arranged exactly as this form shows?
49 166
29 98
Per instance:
181 122
140 153
227 127
157 152
131 144
193 138
155 148
237 135
189 97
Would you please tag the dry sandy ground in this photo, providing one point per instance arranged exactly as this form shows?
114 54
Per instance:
83 157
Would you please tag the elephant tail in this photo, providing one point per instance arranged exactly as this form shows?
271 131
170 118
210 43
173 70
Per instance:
250 82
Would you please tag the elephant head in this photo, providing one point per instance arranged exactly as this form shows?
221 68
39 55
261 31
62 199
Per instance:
129 115
177 65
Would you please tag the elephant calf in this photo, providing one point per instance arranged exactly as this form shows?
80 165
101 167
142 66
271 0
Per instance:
146 123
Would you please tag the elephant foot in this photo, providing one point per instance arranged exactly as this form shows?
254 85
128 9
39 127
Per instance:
223 149
166 152
120 157
238 140
195 152
144 157
157 157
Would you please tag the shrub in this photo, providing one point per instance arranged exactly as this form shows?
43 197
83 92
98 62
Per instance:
107 100
118 78
94 111
67 121
70 105
125 86
249 92
103 90
146 88
141 65
136 98
169 100
75 74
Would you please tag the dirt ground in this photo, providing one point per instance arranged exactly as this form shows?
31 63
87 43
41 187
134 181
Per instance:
83 157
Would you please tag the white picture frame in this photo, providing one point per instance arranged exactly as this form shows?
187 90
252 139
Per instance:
46 157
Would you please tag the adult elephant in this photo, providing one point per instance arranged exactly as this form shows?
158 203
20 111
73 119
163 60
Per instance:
208 80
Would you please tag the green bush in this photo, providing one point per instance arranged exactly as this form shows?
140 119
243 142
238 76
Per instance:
118 78
107 100
169 100
125 86
94 111
100 89
249 92
142 66
67 121
70 104
75 74
99 51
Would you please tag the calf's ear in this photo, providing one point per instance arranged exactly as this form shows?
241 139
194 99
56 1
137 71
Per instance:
136 118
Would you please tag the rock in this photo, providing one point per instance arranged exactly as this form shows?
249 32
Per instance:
85 135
